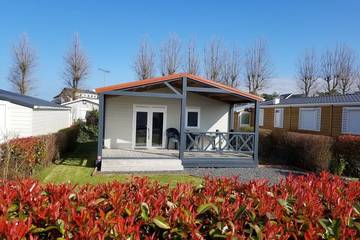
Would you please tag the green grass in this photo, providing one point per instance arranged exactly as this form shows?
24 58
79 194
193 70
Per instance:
77 166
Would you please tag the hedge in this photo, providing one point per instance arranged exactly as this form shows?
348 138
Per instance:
307 151
302 207
20 156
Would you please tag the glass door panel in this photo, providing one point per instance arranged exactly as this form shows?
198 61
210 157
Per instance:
141 129
157 128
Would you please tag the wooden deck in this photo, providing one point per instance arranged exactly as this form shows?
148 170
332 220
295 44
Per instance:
160 153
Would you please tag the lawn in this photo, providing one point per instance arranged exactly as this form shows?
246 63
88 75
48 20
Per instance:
77 166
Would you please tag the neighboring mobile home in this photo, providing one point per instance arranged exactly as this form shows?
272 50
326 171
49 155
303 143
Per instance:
80 107
69 94
325 115
135 117
23 116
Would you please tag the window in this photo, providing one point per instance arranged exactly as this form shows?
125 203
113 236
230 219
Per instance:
350 120
310 119
244 119
261 117
193 117
278 117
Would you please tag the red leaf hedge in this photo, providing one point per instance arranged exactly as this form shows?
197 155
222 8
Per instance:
303 207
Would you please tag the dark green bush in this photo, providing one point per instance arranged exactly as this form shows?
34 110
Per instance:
307 151
66 139
89 129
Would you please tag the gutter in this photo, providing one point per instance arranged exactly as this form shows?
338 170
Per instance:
311 105
51 108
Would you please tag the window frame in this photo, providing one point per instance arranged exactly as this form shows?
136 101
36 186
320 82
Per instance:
318 120
343 130
282 118
261 117
193 109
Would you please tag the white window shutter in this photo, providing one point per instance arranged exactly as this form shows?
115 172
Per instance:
345 117
318 124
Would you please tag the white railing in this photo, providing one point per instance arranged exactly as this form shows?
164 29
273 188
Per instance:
220 142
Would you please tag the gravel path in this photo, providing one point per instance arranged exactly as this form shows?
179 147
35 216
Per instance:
245 174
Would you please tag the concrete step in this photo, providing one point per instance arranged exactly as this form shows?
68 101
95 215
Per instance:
140 165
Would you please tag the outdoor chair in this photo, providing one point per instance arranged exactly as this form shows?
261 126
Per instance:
174 135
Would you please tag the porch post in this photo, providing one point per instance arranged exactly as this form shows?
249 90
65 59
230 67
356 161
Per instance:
231 117
182 118
256 132
101 126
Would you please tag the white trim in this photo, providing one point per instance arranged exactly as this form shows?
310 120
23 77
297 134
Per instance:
81 99
149 109
312 105
343 126
6 116
318 124
261 117
192 109
282 118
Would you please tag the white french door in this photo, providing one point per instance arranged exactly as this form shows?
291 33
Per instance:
149 126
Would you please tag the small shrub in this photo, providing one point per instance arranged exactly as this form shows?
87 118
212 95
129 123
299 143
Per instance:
347 148
303 207
337 166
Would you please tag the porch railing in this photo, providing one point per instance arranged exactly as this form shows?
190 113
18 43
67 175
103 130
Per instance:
242 142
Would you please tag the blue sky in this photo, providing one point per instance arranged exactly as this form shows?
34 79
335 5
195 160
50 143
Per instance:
110 32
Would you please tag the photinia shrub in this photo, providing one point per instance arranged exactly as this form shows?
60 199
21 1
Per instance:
299 207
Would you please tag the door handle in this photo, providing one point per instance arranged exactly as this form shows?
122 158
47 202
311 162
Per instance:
148 133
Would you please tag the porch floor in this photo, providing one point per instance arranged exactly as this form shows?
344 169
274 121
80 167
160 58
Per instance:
161 153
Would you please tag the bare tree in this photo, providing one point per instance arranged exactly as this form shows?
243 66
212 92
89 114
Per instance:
77 67
307 72
170 56
346 68
338 69
192 59
328 71
144 65
213 63
258 68
24 62
230 73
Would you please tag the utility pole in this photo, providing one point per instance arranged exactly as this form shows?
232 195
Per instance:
104 73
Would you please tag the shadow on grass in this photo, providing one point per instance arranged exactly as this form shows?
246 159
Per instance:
83 155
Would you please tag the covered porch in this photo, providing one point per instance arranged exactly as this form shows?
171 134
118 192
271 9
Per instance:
210 142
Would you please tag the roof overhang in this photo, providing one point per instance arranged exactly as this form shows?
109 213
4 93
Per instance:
223 92
311 105
51 108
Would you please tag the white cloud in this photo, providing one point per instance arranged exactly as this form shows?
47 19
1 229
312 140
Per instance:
281 85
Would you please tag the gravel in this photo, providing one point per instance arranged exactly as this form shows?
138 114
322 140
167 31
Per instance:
245 174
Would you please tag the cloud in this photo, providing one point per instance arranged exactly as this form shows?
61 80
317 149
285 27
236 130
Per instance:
281 85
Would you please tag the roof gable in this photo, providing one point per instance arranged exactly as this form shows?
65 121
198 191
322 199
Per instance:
150 81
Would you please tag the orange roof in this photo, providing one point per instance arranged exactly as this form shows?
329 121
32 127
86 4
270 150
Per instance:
176 76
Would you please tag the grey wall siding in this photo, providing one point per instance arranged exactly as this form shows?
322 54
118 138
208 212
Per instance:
119 116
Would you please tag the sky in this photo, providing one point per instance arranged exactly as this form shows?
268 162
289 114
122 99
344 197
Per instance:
111 31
